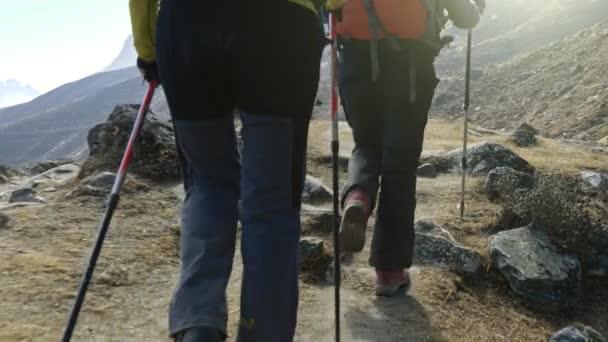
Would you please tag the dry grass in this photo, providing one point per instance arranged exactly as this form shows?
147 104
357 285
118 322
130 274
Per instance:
44 249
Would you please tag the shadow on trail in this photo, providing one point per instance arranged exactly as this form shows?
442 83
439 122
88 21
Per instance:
396 319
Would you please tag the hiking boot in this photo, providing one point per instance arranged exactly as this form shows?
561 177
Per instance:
200 334
357 209
389 284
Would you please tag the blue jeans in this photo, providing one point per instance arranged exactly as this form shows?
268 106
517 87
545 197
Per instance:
267 180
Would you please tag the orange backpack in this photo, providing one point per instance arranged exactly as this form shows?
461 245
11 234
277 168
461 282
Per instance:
405 19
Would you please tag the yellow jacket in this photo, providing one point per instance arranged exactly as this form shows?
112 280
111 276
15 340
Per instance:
143 24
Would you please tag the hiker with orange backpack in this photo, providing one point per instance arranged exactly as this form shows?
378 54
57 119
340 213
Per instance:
212 58
387 82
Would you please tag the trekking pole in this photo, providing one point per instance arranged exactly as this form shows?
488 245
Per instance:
465 107
335 148
107 216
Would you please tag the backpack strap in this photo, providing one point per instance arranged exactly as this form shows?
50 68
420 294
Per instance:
376 28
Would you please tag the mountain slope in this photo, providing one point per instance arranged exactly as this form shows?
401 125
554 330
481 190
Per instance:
510 28
60 131
560 89
126 58
12 92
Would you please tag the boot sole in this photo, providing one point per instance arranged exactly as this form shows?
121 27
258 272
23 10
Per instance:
352 229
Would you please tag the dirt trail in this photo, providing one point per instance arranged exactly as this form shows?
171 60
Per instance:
43 251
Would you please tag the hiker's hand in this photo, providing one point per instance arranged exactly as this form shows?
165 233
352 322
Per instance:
481 4
148 70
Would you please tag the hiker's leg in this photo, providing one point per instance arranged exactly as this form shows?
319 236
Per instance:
393 242
209 218
271 230
197 89
276 96
362 103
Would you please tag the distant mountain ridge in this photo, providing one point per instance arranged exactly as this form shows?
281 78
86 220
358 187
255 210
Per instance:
126 58
13 92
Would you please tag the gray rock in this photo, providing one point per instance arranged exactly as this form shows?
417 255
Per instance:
596 180
426 171
47 165
315 190
313 257
535 268
311 248
100 184
154 157
438 251
485 157
24 195
432 228
525 136
503 181
317 219
577 333
59 175
438 159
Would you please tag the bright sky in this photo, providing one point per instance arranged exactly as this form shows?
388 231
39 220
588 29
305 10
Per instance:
46 43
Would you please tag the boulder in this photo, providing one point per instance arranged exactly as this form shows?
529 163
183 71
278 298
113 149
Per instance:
577 333
24 195
318 220
438 159
6 173
154 156
101 185
503 181
597 180
36 169
573 214
60 175
535 268
432 228
426 171
313 257
525 136
315 190
485 157
438 251
603 141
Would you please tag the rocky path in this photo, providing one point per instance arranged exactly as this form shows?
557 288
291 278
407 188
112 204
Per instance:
43 249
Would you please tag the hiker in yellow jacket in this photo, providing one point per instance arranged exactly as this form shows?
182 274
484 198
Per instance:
261 58
387 82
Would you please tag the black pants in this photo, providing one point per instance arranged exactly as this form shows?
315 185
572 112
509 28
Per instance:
388 127
215 57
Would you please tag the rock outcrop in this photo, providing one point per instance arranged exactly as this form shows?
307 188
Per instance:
573 214
315 190
503 181
577 333
485 157
435 246
535 268
154 156
525 136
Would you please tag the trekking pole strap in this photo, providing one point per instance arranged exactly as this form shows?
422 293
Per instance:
376 28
